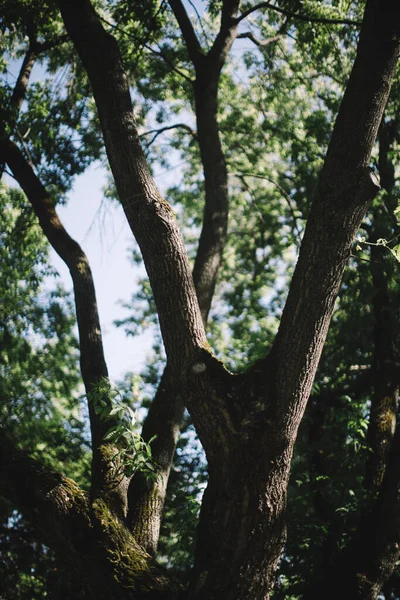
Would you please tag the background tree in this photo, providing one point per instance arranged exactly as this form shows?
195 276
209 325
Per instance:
261 166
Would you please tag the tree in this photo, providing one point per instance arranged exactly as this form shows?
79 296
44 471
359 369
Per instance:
247 422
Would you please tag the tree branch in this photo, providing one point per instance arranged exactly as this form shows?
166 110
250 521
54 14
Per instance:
384 400
296 230
88 537
165 414
219 51
92 360
40 47
146 503
345 190
297 16
147 47
149 215
17 96
189 35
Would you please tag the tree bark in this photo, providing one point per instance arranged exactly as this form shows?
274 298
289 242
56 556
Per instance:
246 423
150 217
146 503
344 193
165 415
92 540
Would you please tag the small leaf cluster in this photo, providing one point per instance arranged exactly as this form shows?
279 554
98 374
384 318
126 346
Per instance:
134 452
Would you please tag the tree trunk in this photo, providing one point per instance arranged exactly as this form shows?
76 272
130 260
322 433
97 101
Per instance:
247 423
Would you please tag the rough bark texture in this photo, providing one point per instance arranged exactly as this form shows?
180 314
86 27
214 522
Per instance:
97 546
345 190
150 217
215 218
147 504
246 423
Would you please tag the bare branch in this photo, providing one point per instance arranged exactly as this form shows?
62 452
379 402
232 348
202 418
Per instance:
158 132
297 16
258 42
288 199
192 4
147 47
168 62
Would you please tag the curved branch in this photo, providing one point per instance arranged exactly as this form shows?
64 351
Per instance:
92 360
161 130
258 42
292 209
297 16
18 95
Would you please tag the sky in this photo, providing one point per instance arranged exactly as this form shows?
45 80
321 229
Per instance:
100 227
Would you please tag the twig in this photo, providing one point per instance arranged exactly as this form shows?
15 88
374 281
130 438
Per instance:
298 16
157 132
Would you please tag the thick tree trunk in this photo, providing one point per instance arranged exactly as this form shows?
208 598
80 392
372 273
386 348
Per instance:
345 191
242 526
